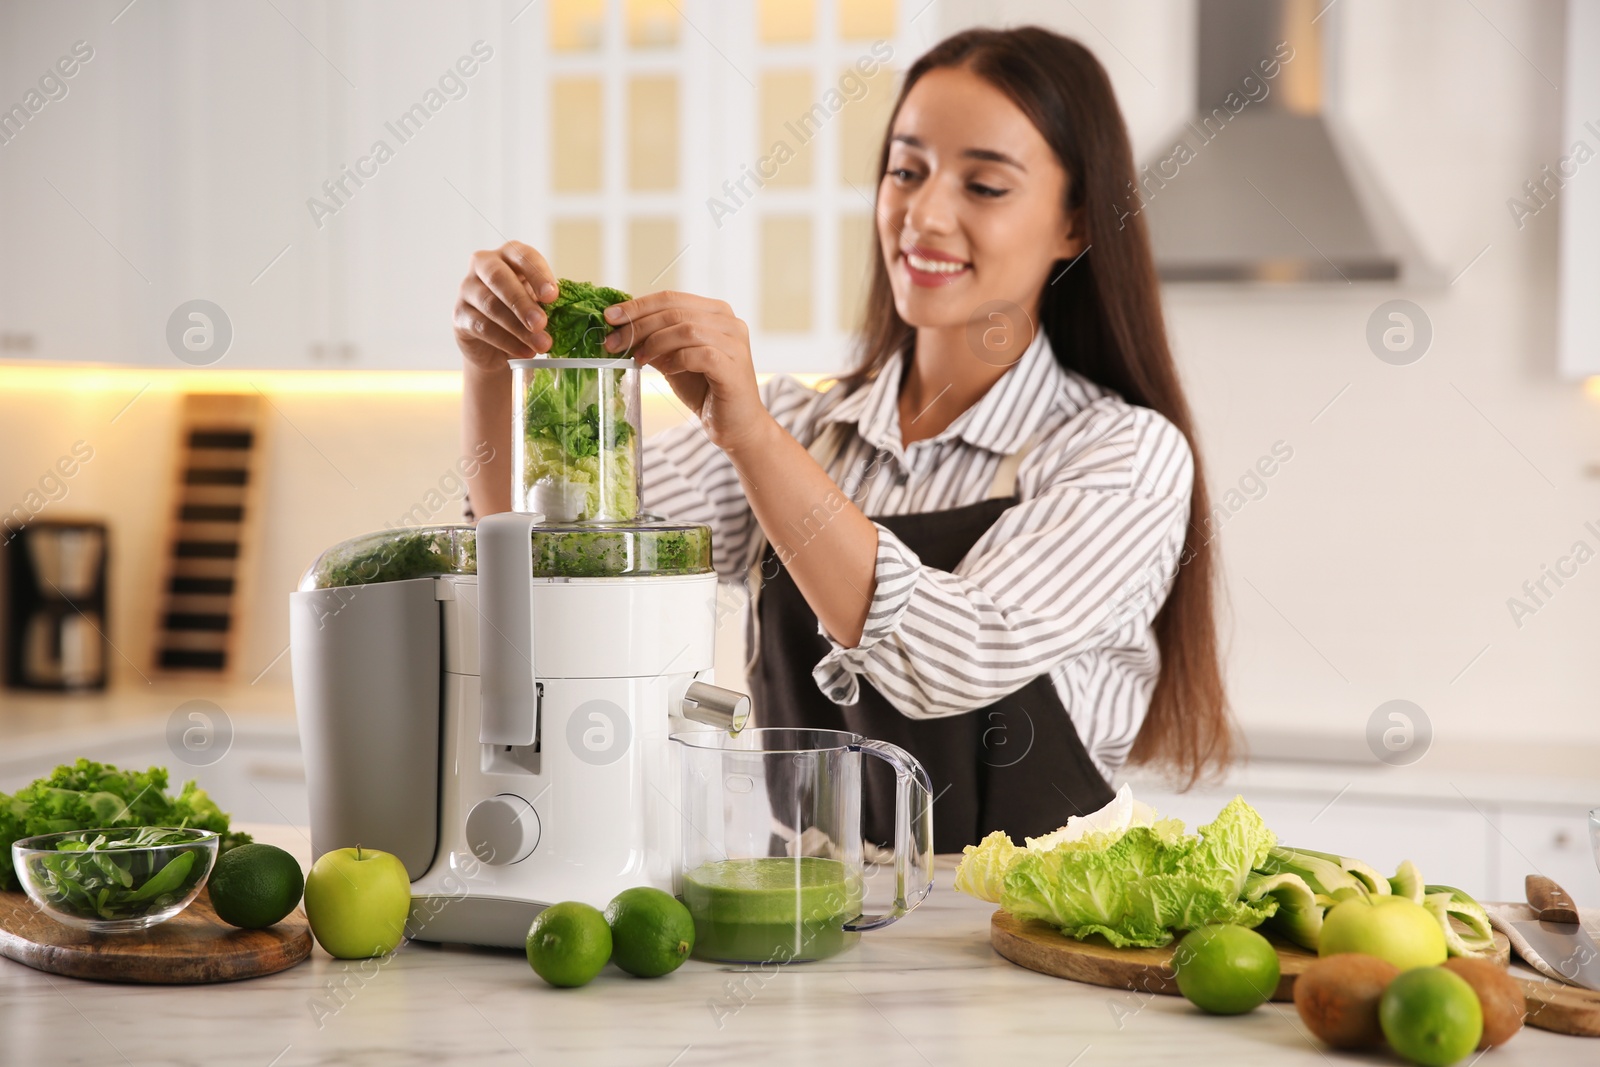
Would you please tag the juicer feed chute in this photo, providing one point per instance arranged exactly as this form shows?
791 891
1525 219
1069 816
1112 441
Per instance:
576 439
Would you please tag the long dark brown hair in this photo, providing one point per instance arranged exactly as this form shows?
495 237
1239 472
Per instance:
1103 320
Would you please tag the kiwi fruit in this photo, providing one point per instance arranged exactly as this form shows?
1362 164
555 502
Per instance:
1504 1007
1337 997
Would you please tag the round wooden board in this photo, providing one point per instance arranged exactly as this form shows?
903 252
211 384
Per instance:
192 947
1041 947
1564 1009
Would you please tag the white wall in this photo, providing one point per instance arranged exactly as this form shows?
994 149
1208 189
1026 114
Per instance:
1380 560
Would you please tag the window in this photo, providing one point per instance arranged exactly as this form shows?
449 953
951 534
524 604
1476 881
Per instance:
723 147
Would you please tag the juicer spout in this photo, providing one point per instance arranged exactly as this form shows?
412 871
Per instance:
715 706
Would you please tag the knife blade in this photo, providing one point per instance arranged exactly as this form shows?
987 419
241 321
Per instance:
1556 934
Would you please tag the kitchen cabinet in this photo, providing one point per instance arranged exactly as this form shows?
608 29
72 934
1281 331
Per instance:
206 152
321 172
1579 326
1449 843
66 259
166 174
1554 843
425 128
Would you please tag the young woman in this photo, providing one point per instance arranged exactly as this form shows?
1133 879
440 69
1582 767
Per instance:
981 544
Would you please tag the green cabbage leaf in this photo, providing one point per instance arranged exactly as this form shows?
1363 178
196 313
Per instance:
1127 875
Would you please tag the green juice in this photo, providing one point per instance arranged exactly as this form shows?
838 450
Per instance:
771 910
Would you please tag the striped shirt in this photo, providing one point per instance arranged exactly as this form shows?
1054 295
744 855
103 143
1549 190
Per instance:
1065 583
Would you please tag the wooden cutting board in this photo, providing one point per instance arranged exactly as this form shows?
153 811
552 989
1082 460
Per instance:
192 947
1041 947
1564 1009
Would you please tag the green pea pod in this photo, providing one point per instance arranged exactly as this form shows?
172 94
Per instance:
166 879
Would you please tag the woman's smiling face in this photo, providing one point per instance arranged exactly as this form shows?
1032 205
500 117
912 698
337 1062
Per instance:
971 207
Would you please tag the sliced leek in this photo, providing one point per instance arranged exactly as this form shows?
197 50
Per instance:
1407 882
1447 903
1299 914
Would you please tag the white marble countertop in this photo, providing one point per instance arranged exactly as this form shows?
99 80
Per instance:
926 990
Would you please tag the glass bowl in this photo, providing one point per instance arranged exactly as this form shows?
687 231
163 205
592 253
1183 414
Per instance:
115 879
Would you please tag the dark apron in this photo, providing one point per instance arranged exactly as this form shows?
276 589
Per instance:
1017 765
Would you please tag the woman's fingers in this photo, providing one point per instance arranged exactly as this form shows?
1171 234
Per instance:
533 268
474 327
664 341
641 307
637 330
492 269
703 360
478 296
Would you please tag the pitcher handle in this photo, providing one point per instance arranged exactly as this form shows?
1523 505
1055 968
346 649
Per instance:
913 833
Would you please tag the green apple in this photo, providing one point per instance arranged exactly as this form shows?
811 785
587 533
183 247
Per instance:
358 900
1392 928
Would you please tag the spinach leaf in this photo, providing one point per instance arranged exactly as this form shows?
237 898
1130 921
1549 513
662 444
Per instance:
97 878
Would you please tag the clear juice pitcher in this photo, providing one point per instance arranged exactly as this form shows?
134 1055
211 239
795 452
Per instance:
772 855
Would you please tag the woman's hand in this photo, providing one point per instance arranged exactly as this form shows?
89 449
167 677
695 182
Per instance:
497 313
497 317
704 351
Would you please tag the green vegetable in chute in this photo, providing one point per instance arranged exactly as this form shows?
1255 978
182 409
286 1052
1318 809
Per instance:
575 425
577 320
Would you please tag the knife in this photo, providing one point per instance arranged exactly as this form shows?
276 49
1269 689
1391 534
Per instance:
1556 934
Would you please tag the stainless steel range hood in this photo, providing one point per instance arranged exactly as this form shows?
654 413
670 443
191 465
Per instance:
1254 187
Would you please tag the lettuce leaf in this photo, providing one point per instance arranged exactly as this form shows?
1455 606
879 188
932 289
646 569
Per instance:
1236 842
1131 884
89 796
983 867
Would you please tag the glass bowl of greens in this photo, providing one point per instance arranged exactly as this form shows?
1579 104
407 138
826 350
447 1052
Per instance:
576 439
116 879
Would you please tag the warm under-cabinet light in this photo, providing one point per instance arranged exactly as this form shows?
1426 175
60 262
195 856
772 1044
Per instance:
91 377
99 377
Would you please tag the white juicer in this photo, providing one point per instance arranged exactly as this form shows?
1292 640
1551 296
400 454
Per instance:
505 733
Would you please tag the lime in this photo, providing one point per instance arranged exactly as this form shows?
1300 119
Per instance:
254 886
569 943
1431 1016
652 932
1226 970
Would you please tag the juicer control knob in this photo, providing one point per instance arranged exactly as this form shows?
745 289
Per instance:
502 829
